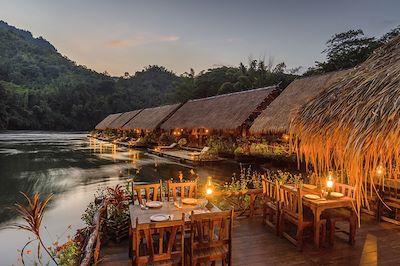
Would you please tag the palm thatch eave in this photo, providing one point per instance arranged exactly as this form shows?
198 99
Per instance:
354 125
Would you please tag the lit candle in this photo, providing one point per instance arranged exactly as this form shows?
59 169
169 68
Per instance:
209 187
286 137
329 184
380 170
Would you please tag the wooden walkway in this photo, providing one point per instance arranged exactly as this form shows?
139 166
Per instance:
254 244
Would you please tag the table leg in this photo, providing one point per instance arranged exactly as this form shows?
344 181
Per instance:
317 226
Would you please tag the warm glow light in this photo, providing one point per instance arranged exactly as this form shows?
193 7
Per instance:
285 137
206 130
209 187
329 182
380 170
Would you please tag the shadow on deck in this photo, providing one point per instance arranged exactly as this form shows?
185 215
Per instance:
254 244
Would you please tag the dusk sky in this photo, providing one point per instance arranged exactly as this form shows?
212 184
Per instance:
120 36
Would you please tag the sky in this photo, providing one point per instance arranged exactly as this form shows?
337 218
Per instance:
125 36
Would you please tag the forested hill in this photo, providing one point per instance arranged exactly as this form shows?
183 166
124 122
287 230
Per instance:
42 89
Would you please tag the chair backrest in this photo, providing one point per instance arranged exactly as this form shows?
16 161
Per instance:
159 241
291 201
150 192
390 189
270 190
346 190
211 230
183 189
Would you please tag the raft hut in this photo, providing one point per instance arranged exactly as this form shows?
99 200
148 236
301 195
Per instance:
353 129
149 119
276 118
231 113
104 124
124 118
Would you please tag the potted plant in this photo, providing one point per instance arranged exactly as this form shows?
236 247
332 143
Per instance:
117 225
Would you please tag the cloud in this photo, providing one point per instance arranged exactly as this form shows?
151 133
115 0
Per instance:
118 43
142 40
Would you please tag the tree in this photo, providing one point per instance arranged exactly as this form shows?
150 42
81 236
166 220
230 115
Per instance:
390 35
348 49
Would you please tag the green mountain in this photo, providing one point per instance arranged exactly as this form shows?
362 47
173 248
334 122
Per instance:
41 89
44 90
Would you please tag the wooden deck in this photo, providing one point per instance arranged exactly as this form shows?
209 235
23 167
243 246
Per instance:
254 244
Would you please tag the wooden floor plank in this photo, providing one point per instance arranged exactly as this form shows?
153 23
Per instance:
254 244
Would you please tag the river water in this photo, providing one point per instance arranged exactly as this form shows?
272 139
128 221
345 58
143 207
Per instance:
73 168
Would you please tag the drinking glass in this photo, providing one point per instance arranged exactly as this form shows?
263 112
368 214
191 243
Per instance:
179 203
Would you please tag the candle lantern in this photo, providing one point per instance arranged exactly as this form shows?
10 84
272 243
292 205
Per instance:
209 191
209 187
329 185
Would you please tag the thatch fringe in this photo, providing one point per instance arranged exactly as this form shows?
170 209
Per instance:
354 125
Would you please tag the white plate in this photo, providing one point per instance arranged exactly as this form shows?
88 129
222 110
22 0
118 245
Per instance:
159 217
190 201
154 204
336 194
309 186
312 196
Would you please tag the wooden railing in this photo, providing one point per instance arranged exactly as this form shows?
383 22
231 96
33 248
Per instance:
92 248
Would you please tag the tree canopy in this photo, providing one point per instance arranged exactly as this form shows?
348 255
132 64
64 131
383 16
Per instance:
348 49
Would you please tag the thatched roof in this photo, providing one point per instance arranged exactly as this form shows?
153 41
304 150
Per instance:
228 111
151 118
354 125
277 116
106 121
123 119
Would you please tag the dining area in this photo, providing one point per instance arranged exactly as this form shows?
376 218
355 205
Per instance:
176 227
182 223
173 223
310 211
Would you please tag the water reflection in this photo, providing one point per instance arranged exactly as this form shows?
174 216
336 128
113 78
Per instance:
73 167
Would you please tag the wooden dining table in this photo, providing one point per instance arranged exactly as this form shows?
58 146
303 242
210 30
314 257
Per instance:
317 206
168 208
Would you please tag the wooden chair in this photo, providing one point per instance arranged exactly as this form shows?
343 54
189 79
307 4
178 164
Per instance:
292 211
271 208
152 192
210 238
342 215
159 243
182 190
390 206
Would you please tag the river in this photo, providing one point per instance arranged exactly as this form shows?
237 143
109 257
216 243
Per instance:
73 168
